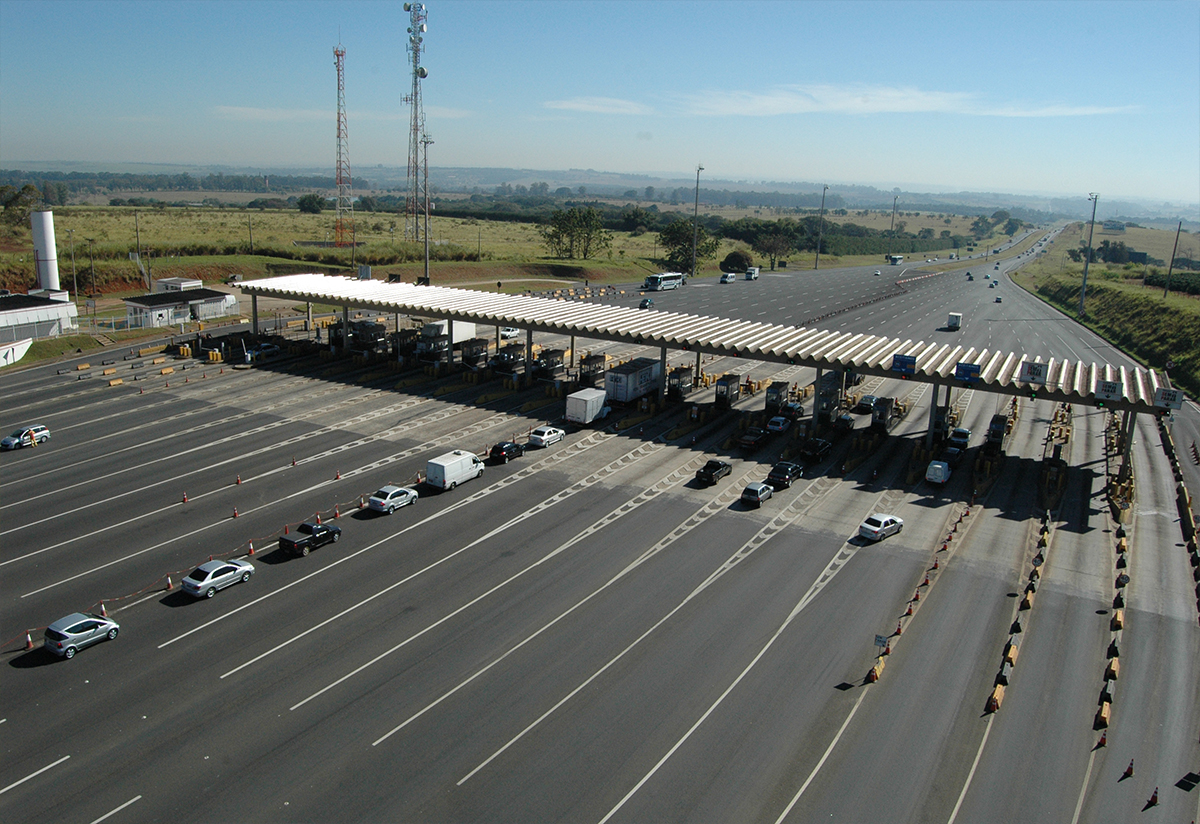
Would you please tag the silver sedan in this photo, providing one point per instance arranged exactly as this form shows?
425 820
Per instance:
206 579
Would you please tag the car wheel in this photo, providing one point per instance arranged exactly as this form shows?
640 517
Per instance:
337 536
69 652
479 474
211 592
304 550
504 459
453 484
246 575
899 529
391 509
112 634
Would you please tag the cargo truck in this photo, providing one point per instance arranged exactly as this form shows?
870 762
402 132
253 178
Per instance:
436 337
954 321
629 381
997 431
587 405
449 470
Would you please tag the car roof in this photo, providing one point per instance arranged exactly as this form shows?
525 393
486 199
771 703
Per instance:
389 489
68 620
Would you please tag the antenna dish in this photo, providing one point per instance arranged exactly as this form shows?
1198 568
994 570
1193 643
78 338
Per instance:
421 72
424 28
408 6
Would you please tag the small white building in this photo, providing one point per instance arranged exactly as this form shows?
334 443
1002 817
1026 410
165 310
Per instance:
167 308
176 284
40 315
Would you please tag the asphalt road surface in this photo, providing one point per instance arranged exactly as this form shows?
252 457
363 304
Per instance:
586 634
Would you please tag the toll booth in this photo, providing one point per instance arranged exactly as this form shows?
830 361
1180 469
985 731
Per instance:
550 364
829 398
778 395
475 352
591 369
510 359
729 389
680 382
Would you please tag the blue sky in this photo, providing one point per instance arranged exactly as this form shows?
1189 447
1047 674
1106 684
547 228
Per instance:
1023 97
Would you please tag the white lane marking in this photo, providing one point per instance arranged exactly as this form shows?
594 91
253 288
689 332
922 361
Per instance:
562 496
966 786
821 763
836 565
1087 777
693 521
33 774
117 810
556 458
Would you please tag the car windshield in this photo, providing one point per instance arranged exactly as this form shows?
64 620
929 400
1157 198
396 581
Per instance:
55 635
875 522
198 574
17 434
383 493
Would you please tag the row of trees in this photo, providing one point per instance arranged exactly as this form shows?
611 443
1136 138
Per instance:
101 182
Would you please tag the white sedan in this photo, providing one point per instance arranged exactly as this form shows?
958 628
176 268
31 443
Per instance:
778 424
206 579
878 526
546 435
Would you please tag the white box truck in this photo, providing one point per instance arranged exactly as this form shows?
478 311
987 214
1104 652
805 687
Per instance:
629 381
449 470
587 405
954 321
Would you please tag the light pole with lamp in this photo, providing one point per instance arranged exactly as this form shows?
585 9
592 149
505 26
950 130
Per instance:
1095 198
892 231
696 219
821 229
74 278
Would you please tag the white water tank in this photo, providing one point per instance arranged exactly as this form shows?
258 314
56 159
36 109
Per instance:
44 250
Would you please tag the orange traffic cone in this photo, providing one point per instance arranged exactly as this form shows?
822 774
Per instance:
338 475
887 650
1153 802
239 480
285 529
361 502
251 552
293 460
926 580
170 586
1103 742
899 628
185 497
917 595
909 610
235 514
336 512
318 517
186 379
935 563
28 641
1128 770
103 611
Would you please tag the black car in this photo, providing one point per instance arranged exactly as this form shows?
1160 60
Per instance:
844 422
815 450
865 404
712 472
783 473
753 437
647 303
505 451
308 537
792 411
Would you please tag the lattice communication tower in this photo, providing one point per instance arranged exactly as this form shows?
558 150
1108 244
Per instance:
413 204
343 230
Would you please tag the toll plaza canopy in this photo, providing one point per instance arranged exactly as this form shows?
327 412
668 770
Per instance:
1009 373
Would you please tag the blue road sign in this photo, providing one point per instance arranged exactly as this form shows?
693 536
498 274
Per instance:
968 372
904 364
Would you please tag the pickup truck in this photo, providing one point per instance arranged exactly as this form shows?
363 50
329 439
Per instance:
309 536
753 438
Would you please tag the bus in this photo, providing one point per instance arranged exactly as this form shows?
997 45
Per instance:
664 281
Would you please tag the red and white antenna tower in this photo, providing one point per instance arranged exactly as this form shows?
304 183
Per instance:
414 202
343 231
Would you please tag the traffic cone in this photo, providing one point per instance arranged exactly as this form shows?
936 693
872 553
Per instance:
318 517
361 502
293 460
338 475
1153 802
103 611
935 563
1103 742
251 552
185 497
909 610
28 641
141 390
239 480
899 628
917 595
1128 770
336 512
186 379
285 529
170 586
235 513
926 580
944 545
887 650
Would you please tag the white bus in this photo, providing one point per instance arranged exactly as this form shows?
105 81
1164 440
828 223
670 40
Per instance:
664 281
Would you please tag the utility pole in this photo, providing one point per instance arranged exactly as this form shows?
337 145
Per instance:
426 142
74 279
696 220
892 231
821 229
1095 198
1171 265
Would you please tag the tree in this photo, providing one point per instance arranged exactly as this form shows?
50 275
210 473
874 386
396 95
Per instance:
576 233
637 220
649 193
1012 225
311 204
999 216
774 245
739 260
18 203
676 240
926 234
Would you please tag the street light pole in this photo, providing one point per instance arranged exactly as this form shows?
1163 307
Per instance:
1095 198
821 229
696 219
75 280
426 142
892 231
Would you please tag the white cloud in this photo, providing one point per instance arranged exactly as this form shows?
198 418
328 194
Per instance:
865 99
599 105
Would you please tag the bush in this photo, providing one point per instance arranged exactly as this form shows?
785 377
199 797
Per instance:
738 260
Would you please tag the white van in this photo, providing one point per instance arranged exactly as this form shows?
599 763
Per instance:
752 273
449 470
938 472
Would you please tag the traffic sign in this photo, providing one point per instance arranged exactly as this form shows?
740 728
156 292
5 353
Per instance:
1033 372
968 372
1110 390
880 641
904 364
1168 398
